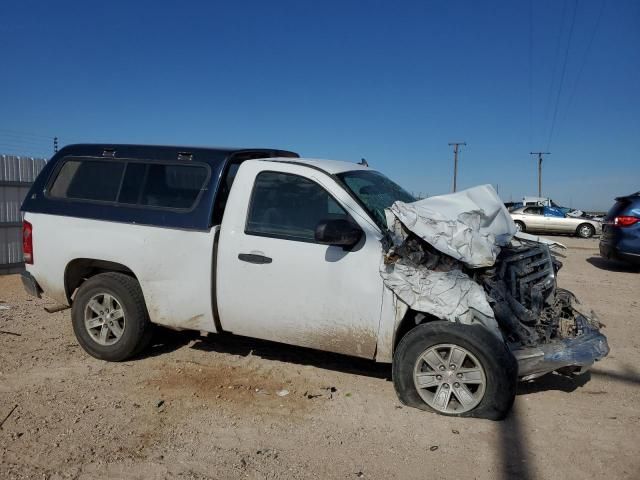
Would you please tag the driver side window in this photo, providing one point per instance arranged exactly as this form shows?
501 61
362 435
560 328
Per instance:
290 207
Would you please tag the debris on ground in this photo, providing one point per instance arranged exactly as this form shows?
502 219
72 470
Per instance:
7 416
326 392
11 333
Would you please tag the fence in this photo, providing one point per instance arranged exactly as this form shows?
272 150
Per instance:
16 175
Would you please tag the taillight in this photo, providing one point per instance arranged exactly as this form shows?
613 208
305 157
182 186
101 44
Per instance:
625 221
27 242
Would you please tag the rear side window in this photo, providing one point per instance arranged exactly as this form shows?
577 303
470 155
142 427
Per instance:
290 207
533 210
173 186
130 183
88 180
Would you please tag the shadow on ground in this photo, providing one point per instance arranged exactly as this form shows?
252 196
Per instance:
612 266
554 381
514 450
166 341
627 374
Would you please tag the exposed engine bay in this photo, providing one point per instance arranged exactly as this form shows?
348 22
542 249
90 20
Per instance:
509 286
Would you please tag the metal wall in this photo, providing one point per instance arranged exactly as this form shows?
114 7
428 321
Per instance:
16 175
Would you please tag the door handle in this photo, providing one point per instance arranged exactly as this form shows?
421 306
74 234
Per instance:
254 258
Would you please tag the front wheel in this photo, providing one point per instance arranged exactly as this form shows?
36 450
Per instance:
455 369
110 318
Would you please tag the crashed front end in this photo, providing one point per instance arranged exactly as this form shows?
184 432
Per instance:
457 257
541 322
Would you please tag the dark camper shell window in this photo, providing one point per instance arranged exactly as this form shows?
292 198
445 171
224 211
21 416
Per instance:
132 183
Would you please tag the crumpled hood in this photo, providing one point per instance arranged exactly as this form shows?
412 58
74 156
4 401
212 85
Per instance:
469 226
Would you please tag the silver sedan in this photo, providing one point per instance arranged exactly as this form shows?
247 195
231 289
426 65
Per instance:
538 219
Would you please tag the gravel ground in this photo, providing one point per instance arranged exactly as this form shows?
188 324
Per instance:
209 408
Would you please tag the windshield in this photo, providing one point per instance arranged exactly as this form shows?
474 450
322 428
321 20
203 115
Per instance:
375 191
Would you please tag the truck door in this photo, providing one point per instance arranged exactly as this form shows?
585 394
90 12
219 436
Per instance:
275 282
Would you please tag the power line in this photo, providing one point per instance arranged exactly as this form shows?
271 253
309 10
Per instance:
555 62
25 139
5 138
586 54
22 145
564 69
11 150
27 134
530 73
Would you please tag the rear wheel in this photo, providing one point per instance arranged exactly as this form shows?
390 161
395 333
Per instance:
519 226
455 369
109 316
585 230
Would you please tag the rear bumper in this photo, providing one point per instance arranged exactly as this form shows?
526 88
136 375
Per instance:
30 285
611 252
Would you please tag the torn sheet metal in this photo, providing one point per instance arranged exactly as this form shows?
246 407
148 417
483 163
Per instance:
538 239
580 351
450 295
469 226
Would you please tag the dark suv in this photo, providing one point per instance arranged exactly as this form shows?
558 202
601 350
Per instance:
621 230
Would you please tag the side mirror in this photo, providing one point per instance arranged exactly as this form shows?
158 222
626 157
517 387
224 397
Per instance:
338 232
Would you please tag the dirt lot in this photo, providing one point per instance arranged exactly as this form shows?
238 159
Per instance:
209 408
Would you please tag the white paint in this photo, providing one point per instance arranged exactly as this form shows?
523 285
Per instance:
329 166
173 266
310 294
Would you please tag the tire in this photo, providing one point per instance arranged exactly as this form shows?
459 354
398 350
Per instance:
113 294
585 230
520 226
497 363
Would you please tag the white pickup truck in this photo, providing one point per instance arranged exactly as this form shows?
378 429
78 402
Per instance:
317 253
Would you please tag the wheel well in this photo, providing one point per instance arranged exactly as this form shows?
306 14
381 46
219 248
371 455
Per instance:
81 269
411 320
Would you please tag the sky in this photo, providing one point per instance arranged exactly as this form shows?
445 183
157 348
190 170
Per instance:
393 82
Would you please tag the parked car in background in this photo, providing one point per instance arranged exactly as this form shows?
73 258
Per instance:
621 230
547 202
553 220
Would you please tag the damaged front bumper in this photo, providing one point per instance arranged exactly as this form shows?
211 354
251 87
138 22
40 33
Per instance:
457 258
577 353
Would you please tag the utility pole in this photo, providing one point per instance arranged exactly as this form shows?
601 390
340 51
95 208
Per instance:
55 144
456 146
540 154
